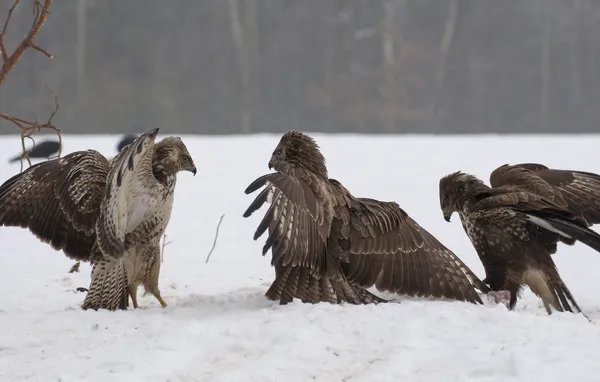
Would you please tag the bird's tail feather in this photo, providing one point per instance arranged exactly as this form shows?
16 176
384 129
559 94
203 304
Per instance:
552 290
566 228
298 282
109 286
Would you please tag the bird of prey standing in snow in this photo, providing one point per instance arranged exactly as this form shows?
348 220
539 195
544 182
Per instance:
329 246
110 213
514 231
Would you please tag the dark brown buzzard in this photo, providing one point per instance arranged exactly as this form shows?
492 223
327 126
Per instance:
514 232
329 246
110 213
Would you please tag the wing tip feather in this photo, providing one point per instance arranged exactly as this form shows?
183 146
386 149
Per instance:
256 184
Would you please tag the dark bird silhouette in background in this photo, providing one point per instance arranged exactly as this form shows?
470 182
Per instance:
330 246
43 149
126 140
515 230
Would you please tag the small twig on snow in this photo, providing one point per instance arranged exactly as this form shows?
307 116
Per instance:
75 267
162 248
215 241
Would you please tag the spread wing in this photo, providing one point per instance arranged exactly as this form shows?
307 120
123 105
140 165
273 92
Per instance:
516 198
58 201
579 191
385 247
542 212
298 218
523 201
527 179
127 200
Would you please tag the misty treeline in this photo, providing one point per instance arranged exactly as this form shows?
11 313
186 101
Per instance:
231 66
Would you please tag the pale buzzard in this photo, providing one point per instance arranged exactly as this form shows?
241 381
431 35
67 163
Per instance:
514 232
329 246
111 213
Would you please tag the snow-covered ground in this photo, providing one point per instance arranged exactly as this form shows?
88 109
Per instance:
220 327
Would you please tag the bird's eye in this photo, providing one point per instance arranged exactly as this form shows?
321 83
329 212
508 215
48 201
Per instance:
186 158
278 153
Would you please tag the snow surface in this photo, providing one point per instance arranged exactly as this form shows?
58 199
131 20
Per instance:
220 327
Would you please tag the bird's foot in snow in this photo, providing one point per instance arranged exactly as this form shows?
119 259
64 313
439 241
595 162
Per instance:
499 297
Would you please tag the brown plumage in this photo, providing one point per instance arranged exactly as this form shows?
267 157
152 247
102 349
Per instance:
110 213
576 191
329 246
514 232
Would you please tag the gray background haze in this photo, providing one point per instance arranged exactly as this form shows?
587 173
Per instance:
370 66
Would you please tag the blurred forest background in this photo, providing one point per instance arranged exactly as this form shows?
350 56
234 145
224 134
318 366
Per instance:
371 66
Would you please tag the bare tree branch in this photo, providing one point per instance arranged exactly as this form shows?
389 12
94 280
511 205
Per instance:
8 63
215 241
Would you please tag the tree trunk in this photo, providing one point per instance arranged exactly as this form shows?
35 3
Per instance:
244 67
545 64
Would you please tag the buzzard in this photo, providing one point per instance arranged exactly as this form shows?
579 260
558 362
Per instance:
329 246
515 231
110 213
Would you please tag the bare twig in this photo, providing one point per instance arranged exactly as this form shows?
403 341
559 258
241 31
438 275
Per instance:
215 241
8 63
162 248
75 267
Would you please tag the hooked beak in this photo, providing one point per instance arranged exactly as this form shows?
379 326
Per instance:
447 216
270 165
193 170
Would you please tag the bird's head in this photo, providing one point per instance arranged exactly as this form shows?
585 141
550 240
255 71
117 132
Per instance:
172 155
455 189
299 149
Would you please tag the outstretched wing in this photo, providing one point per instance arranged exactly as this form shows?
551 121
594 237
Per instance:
579 191
542 212
298 218
58 201
385 247
522 200
127 196
525 178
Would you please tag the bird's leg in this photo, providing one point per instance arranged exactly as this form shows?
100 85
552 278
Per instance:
156 293
151 278
514 289
133 294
